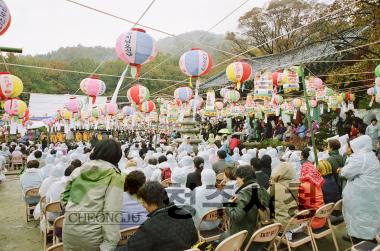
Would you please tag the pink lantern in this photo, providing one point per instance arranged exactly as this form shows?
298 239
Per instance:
110 108
183 93
197 102
73 104
313 103
136 48
93 87
128 110
371 91
15 107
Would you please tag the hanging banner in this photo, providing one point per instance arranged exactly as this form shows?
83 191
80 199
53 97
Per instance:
263 86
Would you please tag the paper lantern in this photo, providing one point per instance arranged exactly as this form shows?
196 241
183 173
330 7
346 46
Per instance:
96 112
184 94
196 102
297 103
371 91
219 105
195 63
93 87
5 17
136 48
74 105
15 107
147 106
11 86
275 76
263 87
289 80
137 94
110 108
223 91
128 110
377 71
340 99
278 99
238 72
313 103
313 84
232 96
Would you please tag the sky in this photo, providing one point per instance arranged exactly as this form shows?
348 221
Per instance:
41 26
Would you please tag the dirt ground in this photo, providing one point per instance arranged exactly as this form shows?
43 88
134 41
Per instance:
17 235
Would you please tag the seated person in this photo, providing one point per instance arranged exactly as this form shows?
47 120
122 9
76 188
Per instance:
167 228
262 178
205 198
243 213
194 179
134 214
310 195
32 177
229 182
330 188
283 193
177 192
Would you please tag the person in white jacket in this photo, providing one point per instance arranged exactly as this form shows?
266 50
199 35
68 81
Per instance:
205 198
361 195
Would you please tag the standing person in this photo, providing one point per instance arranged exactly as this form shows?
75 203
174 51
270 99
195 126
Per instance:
361 195
373 131
96 187
167 228
310 193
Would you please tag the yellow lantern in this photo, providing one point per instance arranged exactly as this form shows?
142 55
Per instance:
11 86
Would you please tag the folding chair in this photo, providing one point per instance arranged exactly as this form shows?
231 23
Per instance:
337 221
57 229
298 239
232 243
125 234
54 207
212 215
17 161
266 234
365 246
57 247
31 194
324 212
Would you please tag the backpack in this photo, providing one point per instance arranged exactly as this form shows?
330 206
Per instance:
166 173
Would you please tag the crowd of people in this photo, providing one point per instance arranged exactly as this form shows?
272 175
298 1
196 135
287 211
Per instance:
167 189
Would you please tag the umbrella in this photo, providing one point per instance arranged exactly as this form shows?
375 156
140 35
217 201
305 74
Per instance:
224 131
238 133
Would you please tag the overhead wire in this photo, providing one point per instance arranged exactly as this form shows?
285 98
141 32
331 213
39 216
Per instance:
200 40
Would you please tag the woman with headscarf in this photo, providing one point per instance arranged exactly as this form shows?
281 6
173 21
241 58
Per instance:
283 193
97 186
212 156
177 191
186 164
330 188
266 164
46 170
310 195
206 197
295 160
172 161
361 195
272 152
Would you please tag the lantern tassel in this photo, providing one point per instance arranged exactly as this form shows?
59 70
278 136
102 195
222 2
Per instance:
321 108
238 85
370 103
190 83
93 99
